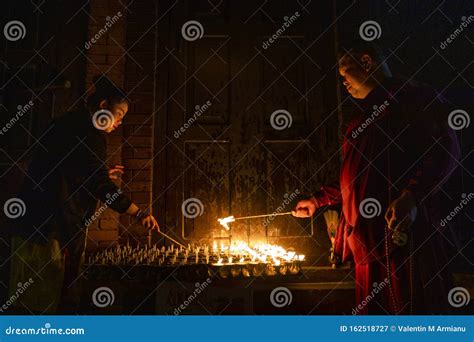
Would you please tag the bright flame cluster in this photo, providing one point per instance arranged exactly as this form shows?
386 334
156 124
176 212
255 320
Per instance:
260 252
225 221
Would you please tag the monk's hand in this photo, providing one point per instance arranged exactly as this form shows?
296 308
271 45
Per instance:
150 222
116 171
401 213
305 208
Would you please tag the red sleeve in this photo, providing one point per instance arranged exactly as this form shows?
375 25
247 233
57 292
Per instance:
328 195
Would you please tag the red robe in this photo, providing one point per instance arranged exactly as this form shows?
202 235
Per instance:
400 141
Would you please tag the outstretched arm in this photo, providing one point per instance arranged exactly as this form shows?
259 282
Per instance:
101 185
327 195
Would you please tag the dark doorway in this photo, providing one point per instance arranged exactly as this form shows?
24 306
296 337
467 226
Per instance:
233 160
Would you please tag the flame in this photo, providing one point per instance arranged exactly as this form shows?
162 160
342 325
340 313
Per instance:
264 252
259 252
223 248
225 221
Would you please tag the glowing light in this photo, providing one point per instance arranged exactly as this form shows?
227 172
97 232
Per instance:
225 221
264 252
223 248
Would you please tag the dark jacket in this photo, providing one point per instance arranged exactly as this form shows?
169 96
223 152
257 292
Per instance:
66 178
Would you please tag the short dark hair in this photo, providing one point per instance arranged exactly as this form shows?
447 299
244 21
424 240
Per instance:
105 89
359 47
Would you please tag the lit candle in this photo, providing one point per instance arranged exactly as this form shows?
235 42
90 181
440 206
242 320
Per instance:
225 221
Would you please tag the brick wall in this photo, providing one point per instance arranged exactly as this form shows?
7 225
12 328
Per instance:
125 53
105 56
138 125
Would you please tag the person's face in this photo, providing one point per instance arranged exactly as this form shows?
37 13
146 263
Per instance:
356 76
118 110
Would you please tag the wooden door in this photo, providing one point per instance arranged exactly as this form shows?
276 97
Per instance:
217 143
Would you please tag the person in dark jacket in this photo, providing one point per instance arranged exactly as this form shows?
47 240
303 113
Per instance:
66 179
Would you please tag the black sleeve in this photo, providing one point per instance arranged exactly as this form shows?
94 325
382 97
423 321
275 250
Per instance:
99 182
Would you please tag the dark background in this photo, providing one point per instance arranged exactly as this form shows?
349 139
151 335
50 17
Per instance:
231 159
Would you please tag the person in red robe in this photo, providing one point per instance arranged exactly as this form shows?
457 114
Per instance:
398 151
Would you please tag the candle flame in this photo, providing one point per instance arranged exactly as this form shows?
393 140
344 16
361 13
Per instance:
225 221
264 252
255 253
222 246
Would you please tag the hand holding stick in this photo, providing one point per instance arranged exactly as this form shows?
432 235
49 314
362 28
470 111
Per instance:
226 220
